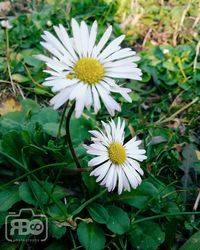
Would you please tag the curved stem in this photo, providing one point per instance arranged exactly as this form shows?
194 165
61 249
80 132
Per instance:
61 121
68 136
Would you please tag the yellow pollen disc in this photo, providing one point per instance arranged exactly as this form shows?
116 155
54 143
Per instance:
89 70
117 153
70 76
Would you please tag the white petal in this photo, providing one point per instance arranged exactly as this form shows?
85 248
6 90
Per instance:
102 42
63 85
97 160
98 146
49 38
77 36
111 48
80 101
96 101
125 69
84 38
135 165
96 152
133 76
77 92
125 181
138 157
101 170
137 176
59 99
108 101
127 61
64 38
130 176
108 178
89 100
92 38
120 179
52 50
122 53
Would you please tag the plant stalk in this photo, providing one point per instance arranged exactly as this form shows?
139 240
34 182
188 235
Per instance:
68 136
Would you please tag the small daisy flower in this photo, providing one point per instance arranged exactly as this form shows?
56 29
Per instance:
116 162
84 71
6 24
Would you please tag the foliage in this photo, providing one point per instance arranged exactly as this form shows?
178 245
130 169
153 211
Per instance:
164 113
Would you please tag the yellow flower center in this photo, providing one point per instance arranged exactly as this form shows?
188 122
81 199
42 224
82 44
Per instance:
89 70
117 153
70 76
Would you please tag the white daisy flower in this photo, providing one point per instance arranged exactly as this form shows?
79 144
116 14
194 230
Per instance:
117 162
83 70
6 24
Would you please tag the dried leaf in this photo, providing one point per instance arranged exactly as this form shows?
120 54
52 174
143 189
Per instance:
198 154
10 104
4 8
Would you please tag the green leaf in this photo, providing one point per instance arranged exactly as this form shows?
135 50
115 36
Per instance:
193 243
79 129
2 218
56 246
89 181
91 236
39 195
29 105
52 129
118 221
98 213
9 197
146 236
12 120
139 197
45 115
13 138
9 246
55 231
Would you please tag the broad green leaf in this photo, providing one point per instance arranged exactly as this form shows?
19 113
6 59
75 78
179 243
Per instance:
98 213
2 218
139 197
13 120
146 236
56 246
30 106
40 196
90 182
193 243
52 129
14 141
118 221
8 246
91 236
9 197
79 129
45 115
55 231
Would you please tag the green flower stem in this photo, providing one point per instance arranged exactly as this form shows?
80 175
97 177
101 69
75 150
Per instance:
68 136
163 215
53 165
61 121
85 204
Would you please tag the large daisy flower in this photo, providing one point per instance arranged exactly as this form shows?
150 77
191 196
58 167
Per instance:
116 162
83 70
